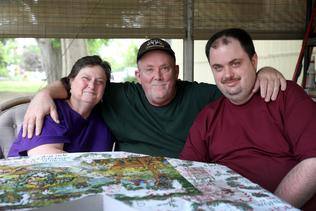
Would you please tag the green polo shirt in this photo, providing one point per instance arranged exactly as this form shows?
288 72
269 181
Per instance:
159 131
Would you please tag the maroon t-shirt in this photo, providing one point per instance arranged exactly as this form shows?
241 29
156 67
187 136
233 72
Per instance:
261 141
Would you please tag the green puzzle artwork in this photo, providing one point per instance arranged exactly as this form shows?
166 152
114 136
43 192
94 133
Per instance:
49 181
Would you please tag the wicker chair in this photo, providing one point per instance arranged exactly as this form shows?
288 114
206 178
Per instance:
11 118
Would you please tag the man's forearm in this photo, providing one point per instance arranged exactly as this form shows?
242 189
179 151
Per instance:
299 185
41 105
55 90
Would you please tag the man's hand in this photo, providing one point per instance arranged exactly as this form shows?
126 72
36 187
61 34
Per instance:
269 80
40 105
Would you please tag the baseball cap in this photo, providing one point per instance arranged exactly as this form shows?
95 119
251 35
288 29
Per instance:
155 44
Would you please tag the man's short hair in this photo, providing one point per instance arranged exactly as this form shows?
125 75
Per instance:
239 34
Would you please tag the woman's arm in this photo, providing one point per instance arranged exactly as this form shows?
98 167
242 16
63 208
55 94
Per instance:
46 149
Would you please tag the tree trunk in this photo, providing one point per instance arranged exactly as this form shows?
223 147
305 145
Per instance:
51 59
72 50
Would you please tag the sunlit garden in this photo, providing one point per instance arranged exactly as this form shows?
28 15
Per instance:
27 65
21 86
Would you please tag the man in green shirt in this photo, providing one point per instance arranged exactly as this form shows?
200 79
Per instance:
153 116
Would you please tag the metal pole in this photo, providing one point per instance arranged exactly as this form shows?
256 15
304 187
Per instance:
188 45
307 50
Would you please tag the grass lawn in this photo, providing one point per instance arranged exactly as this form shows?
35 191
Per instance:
21 86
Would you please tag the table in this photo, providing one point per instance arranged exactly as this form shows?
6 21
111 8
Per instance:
136 181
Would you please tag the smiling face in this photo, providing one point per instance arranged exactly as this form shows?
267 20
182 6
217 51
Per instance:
234 72
88 86
158 73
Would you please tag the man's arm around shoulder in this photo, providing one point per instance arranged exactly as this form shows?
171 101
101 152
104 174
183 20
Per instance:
42 104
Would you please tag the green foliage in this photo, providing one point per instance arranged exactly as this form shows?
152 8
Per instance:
112 62
9 52
95 45
119 60
126 59
8 55
3 72
130 56
3 64
17 59
56 43
31 60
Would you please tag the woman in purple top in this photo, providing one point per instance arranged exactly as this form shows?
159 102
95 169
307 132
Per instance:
81 129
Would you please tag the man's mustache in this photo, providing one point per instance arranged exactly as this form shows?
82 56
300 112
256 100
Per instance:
230 79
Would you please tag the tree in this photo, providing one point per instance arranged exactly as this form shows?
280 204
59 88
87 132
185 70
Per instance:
8 55
95 45
59 55
72 50
31 59
130 55
3 63
51 58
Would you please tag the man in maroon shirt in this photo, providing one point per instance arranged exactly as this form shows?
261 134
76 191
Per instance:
272 144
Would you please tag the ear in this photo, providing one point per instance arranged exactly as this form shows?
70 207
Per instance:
177 71
254 61
70 81
137 75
